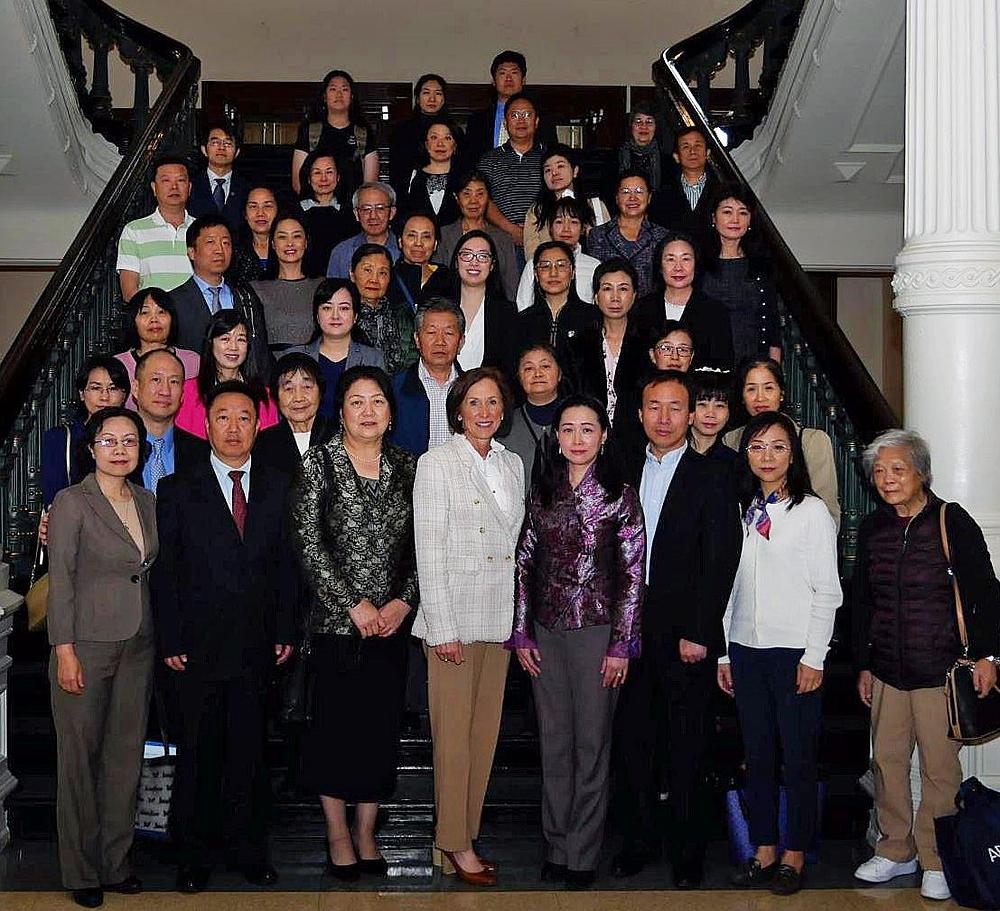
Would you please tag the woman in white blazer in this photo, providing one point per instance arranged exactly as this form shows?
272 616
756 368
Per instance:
468 505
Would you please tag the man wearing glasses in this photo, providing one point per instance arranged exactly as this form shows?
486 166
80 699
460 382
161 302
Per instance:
374 208
219 190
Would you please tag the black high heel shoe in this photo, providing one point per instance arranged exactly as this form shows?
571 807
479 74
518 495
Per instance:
346 873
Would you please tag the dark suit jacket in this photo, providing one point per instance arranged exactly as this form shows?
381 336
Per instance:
189 451
695 552
412 428
193 316
706 317
275 447
202 203
222 600
585 369
671 209
479 134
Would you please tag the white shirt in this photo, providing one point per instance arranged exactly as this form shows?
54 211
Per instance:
656 477
585 265
226 483
227 181
490 469
437 395
302 440
474 346
673 311
787 589
610 366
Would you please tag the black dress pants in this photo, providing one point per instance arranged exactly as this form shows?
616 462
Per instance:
222 792
663 691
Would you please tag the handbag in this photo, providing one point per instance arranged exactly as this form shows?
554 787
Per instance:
297 697
156 779
971 719
968 844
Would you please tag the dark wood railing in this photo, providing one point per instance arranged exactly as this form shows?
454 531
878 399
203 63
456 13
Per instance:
78 312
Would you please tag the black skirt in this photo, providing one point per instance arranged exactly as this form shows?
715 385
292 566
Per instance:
351 750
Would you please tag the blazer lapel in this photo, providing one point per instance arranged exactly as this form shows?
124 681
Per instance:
675 493
147 518
100 504
214 498
480 483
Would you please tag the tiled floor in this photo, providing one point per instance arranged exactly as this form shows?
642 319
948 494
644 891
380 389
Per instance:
809 900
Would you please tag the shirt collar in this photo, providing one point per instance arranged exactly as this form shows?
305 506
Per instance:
204 285
700 182
168 439
222 469
670 460
473 453
425 374
160 221
213 177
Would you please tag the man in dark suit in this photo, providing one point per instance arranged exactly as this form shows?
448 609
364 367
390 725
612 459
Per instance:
157 391
223 604
219 190
210 249
684 200
692 551
299 386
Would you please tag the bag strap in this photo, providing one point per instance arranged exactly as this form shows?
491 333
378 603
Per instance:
361 142
161 717
69 440
315 131
963 633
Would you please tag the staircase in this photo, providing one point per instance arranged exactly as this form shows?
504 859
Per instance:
77 314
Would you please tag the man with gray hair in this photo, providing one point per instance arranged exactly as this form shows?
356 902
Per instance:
422 389
374 205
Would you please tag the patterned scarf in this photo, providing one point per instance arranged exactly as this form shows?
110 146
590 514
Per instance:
763 520
631 155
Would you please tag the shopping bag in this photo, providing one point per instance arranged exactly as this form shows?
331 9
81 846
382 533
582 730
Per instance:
969 846
740 848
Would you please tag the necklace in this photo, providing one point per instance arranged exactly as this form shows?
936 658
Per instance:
371 460
124 514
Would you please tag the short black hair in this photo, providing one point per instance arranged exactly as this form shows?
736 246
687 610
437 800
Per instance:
710 385
615 264
520 96
687 131
96 421
370 250
420 213
297 362
494 288
223 126
753 363
163 300
656 264
559 245
140 363
203 223
460 389
234 386
169 158
632 174
666 327
574 208
116 371
515 57
305 187
365 372
659 377
473 176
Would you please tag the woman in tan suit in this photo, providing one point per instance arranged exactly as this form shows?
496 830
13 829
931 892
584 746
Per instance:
102 541
468 505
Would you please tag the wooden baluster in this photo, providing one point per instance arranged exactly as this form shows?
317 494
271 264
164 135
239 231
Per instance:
100 89
703 92
140 100
741 87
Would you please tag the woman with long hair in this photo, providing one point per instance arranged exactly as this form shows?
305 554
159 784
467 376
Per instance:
431 185
327 210
253 257
580 573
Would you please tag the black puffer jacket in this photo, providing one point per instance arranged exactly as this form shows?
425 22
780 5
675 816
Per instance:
905 627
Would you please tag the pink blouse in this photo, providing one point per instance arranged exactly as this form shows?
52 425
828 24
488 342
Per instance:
192 415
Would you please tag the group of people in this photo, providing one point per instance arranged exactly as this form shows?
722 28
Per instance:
327 439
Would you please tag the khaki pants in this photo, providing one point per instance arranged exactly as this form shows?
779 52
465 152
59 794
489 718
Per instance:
465 704
900 720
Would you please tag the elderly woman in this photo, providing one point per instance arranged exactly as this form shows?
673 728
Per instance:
468 503
334 344
906 637
539 376
102 541
761 383
580 572
415 277
386 321
150 320
253 257
352 516
674 297
778 625
430 187
473 198
328 219
226 355
287 297
101 382
643 151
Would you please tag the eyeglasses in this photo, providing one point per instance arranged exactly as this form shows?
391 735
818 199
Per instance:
632 191
475 256
100 388
679 350
521 115
560 265
779 449
221 143
370 210
114 442
644 122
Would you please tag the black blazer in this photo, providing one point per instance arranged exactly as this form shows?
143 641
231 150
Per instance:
415 198
275 447
405 284
193 316
201 201
706 317
694 556
222 600
671 209
189 451
479 134
585 370
535 325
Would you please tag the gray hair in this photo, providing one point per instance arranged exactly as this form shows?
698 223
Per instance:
439 305
920 454
390 193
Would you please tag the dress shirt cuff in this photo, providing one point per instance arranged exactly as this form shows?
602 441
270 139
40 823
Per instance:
630 648
724 659
520 640
814 658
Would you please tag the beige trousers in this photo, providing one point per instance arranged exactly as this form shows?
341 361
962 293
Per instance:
900 720
465 705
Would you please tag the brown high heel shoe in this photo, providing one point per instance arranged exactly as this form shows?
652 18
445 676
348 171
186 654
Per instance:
446 861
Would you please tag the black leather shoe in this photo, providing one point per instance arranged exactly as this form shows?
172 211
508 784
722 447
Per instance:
553 873
129 886
89 898
260 874
578 880
688 875
629 862
374 866
346 873
787 881
192 879
753 874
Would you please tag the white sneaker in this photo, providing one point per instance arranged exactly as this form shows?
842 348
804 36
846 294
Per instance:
934 885
881 869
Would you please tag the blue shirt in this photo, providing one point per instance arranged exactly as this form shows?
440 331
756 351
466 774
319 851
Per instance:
339 265
498 121
656 477
225 293
166 456
226 483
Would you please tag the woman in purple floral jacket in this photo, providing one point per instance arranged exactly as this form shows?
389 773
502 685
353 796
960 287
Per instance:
580 572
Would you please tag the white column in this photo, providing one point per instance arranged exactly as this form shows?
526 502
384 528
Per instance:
947 280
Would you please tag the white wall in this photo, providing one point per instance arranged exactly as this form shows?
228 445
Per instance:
19 290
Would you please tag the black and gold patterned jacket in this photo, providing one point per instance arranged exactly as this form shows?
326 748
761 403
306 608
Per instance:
355 540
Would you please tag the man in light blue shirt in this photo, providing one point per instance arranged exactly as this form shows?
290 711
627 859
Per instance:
374 207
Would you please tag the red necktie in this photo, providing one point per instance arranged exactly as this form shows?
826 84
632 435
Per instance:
239 502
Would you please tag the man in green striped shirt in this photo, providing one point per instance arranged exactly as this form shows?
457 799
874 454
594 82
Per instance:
152 251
